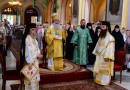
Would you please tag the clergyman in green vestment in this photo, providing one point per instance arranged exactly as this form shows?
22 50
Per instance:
81 39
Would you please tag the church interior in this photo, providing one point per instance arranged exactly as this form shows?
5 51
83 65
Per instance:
20 13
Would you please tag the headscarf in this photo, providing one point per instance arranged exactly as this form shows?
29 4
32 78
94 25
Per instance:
119 41
89 24
108 25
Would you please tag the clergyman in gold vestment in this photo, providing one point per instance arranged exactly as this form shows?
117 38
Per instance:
104 51
54 37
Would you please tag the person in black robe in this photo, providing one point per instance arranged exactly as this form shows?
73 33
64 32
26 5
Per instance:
69 46
119 41
97 33
23 44
109 26
91 57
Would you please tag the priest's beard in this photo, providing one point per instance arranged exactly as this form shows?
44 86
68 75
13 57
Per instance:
56 25
103 33
82 26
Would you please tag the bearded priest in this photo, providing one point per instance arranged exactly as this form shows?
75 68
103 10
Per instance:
54 37
104 51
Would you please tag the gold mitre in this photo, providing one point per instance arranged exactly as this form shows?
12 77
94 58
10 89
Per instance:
55 16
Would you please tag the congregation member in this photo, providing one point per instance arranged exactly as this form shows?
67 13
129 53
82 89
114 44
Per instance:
54 38
94 25
2 28
64 28
123 31
30 55
81 39
39 34
109 27
69 45
91 57
97 33
2 42
119 41
43 42
74 28
8 26
2 36
127 49
104 51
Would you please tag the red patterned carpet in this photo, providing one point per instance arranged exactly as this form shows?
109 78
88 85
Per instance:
80 85
71 72
75 85
70 69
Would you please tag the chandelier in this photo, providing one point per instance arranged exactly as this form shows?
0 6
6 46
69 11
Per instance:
15 3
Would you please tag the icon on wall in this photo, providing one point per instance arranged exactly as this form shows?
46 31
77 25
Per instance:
114 11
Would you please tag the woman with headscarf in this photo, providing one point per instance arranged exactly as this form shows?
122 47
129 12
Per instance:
69 46
97 33
119 41
30 55
91 57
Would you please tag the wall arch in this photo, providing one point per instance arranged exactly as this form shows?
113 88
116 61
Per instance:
28 15
39 9
22 9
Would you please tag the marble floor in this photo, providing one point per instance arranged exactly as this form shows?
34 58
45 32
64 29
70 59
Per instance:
11 65
125 78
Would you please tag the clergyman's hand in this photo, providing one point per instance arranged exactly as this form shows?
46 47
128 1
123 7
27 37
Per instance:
40 56
58 37
106 59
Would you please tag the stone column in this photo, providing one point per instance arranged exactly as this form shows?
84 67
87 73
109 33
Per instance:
81 10
128 10
125 14
87 10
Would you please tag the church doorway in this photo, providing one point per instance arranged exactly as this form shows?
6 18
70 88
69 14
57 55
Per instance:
10 14
31 16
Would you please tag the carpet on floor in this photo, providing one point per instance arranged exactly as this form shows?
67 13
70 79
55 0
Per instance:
15 49
75 85
52 80
71 72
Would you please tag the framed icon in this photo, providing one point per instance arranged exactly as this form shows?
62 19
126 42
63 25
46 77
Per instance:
29 71
114 11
